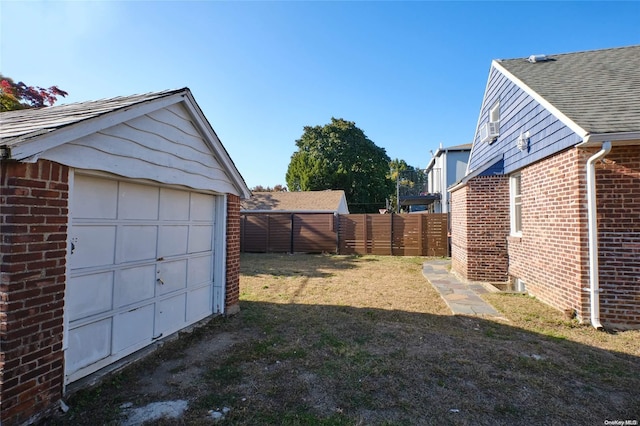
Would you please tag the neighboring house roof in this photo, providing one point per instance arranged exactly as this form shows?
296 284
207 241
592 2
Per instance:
597 91
309 201
463 147
29 134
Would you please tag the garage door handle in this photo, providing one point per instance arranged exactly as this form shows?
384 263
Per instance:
160 281
157 337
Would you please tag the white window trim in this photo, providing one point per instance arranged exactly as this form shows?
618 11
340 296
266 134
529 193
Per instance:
494 113
512 204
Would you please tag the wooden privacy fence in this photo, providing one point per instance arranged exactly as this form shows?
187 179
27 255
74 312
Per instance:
379 234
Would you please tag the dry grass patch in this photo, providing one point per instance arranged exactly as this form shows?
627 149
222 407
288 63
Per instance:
338 340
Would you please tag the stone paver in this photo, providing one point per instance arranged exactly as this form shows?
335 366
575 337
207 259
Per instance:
462 298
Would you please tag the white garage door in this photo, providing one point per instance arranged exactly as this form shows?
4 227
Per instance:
141 268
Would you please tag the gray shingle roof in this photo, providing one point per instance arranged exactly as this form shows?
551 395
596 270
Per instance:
598 90
295 201
20 125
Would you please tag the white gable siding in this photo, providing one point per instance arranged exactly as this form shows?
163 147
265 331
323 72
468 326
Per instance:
163 145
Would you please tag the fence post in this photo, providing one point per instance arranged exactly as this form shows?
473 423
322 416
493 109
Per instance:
291 235
336 227
391 242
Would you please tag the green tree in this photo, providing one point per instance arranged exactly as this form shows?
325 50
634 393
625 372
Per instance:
339 155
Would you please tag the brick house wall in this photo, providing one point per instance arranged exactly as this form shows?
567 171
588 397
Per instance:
33 211
618 197
232 293
551 257
480 225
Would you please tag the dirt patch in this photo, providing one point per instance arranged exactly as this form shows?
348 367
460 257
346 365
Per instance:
338 340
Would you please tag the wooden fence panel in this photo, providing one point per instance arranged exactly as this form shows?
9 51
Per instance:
436 235
253 233
398 235
352 233
314 233
379 234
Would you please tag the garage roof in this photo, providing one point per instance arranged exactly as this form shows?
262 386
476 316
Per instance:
27 134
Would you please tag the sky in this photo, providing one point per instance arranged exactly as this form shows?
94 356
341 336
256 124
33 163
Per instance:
411 75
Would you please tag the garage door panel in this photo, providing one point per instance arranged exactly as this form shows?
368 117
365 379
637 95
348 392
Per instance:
199 303
92 246
200 238
136 242
173 240
133 285
170 314
137 201
174 204
88 344
172 276
200 270
141 266
132 328
89 295
202 207
94 198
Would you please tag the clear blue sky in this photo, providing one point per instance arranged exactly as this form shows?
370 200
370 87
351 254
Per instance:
410 74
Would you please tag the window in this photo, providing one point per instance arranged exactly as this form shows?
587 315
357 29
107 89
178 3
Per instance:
516 204
494 113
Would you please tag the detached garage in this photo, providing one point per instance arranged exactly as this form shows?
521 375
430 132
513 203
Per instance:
120 226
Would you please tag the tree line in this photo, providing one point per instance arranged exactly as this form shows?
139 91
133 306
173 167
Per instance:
339 155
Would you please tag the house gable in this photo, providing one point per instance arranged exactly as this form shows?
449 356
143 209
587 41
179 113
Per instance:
519 113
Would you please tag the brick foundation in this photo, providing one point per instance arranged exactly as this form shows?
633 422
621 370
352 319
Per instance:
33 211
232 298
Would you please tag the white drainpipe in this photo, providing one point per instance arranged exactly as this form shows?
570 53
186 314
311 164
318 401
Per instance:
594 280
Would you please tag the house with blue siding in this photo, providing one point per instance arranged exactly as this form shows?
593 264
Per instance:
550 201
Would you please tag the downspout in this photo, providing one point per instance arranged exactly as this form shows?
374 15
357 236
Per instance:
594 279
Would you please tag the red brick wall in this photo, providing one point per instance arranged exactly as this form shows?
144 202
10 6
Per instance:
480 225
459 231
618 198
33 214
232 300
551 257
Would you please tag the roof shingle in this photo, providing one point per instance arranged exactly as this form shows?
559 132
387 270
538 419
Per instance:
295 201
598 90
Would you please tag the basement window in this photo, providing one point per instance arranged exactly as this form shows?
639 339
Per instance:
515 196
519 286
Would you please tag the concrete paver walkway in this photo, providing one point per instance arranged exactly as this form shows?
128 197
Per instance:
462 298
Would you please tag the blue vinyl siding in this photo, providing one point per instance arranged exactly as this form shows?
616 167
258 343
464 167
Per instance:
519 112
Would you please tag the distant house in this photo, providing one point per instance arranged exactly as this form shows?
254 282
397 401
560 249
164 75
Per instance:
281 222
330 201
446 167
120 226
551 198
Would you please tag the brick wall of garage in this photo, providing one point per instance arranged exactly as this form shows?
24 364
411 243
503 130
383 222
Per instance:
232 293
34 207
